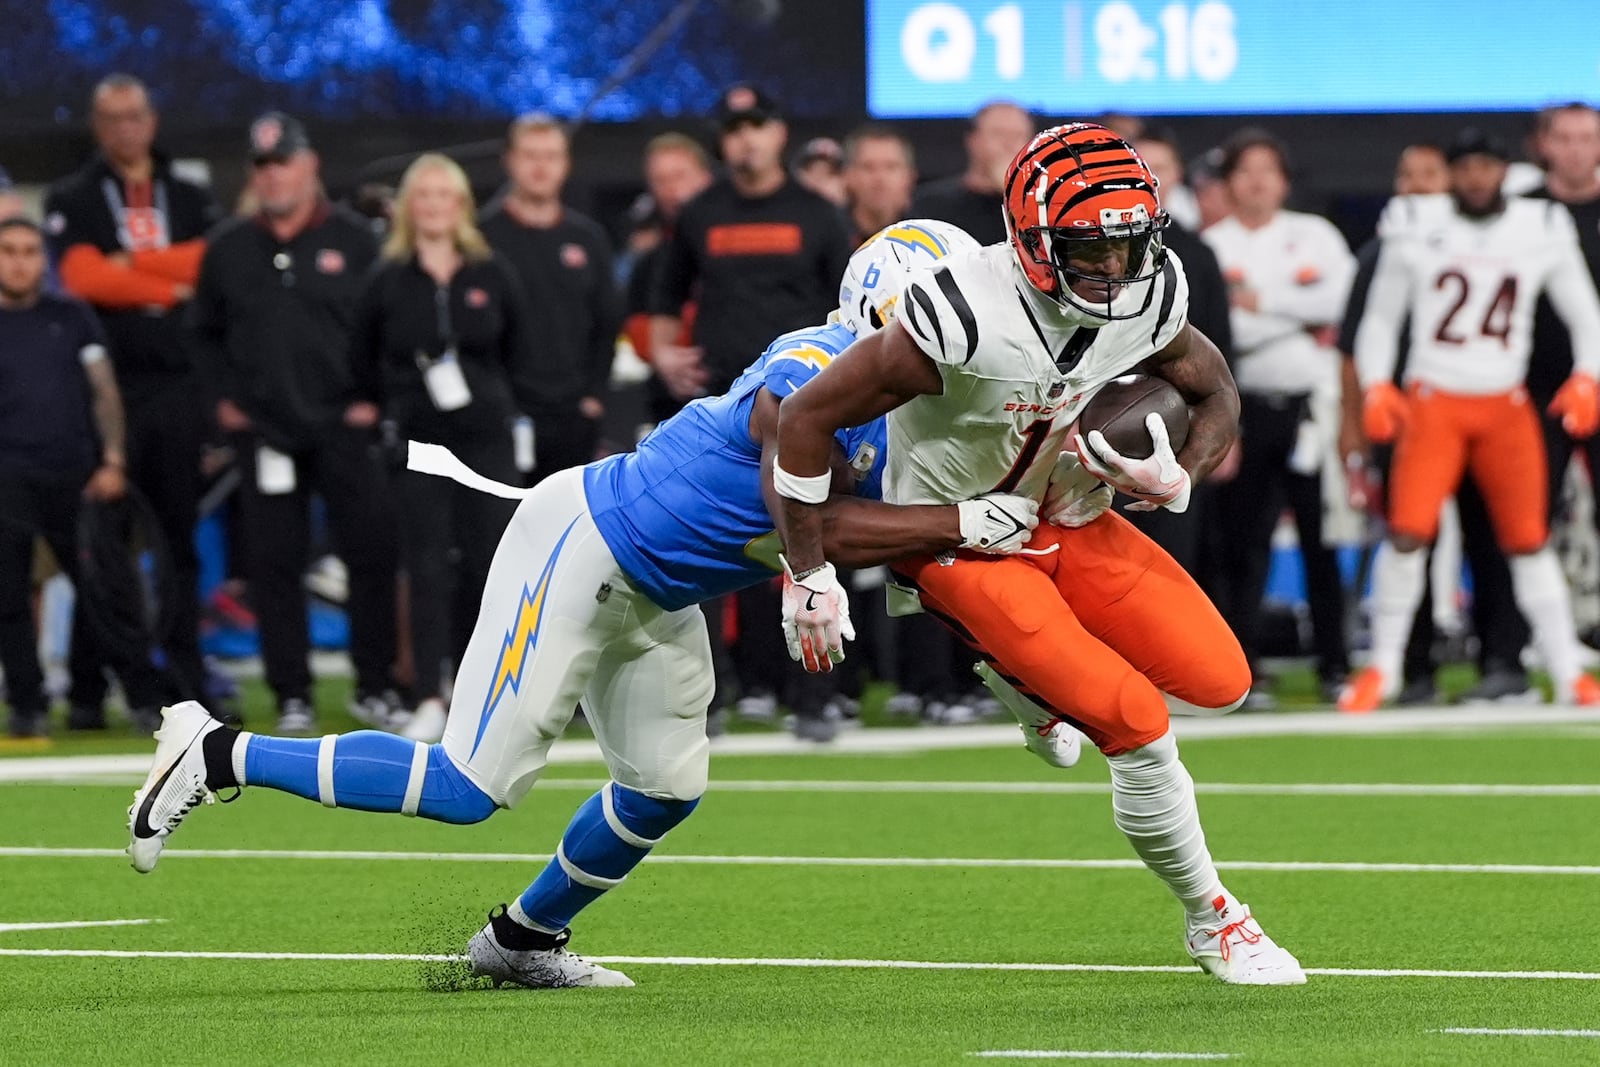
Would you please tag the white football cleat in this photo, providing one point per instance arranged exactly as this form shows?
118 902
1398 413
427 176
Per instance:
1044 735
541 968
176 783
427 722
1057 744
1233 947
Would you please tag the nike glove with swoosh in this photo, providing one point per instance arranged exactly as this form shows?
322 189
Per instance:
816 617
997 523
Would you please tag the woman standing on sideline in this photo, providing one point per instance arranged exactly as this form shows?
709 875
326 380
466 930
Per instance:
443 345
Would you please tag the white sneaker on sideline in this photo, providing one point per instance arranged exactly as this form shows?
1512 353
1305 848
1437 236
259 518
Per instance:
427 722
176 783
1232 946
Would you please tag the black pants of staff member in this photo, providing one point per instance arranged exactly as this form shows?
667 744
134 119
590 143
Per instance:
449 534
1247 513
345 471
562 441
44 505
165 430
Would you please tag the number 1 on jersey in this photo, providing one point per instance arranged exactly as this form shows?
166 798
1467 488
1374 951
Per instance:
1033 440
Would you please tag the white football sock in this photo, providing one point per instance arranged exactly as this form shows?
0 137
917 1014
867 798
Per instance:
1397 584
240 743
1152 801
1541 592
515 913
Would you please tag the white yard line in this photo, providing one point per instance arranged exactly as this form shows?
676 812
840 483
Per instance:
939 738
831 964
1479 1031
1072 1053
656 860
76 924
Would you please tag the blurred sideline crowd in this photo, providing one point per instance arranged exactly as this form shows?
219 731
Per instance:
167 364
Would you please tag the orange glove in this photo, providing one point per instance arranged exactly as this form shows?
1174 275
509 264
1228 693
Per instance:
1578 404
1383 412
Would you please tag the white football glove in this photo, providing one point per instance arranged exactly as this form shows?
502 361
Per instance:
1044 735
816 618
997 523
1075 497
1157 482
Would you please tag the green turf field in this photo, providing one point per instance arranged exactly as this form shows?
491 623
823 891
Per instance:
823 858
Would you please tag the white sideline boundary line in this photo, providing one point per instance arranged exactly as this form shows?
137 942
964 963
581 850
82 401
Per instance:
1087 1054
76 924
959 862
1072 1053
942 738
829 964
1482 1032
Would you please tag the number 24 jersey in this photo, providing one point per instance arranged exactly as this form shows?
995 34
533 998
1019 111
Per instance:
1470 285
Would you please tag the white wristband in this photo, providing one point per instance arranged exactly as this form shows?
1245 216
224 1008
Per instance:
812 490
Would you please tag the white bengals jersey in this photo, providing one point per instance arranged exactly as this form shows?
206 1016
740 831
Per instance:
1017 370
1470 286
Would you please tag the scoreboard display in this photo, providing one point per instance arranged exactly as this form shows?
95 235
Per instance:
947 57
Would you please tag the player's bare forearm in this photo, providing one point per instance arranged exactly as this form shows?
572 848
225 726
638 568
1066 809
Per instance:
869 533
855 532
1195 367
871 378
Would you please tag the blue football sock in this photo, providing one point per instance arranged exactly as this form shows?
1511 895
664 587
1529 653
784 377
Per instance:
610 834
368 770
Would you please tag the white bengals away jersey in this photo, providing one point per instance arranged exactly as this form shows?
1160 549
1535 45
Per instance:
1017 371
1470 286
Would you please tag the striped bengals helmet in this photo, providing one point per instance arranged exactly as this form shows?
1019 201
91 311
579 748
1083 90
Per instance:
1079 196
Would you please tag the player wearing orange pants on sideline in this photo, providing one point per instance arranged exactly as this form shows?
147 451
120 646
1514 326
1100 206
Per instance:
1468 267
1496 438
1097 629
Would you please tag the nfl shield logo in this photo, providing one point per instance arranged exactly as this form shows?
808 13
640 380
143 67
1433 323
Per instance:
1056 390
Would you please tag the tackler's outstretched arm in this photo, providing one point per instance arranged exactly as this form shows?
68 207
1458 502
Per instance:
873 377
857 532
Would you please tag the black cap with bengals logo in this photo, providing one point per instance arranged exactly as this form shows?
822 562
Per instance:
275 137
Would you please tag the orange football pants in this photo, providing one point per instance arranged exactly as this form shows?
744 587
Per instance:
1497 438
1096 630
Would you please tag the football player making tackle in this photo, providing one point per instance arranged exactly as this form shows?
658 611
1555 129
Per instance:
592 597
982 376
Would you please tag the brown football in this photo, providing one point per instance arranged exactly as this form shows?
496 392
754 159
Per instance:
1119 410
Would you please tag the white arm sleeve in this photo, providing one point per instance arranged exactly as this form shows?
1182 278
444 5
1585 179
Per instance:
1572 294
1378 337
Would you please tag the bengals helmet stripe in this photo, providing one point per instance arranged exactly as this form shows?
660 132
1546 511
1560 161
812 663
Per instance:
1077 184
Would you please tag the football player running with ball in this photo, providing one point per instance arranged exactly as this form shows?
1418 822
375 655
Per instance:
593 597
1468 267
992 357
